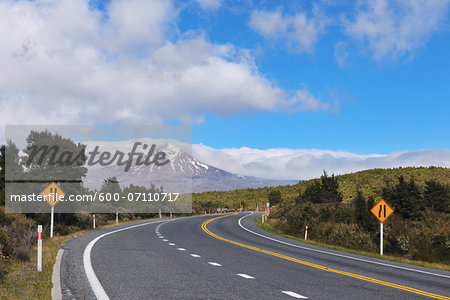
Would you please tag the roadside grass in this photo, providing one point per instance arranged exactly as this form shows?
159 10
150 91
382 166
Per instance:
23 281
268 227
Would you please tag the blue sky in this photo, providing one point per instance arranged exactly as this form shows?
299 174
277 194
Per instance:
306 85
399 102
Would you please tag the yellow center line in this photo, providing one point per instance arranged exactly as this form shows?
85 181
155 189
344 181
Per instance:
361 277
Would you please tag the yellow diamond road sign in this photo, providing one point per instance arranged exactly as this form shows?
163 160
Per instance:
52 194
382 210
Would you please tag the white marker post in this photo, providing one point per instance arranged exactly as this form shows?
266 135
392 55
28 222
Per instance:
160 216
39 248
306 233
117 218
262 218
381 238
51 221
171 215
93 220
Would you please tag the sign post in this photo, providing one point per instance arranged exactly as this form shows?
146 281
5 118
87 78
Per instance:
52 193
52 213
381 238
39 249
381 211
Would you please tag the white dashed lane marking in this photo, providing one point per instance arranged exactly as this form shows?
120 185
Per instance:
161 237
181 249
245 276
171 244
195 255
165 240
295 295
214 264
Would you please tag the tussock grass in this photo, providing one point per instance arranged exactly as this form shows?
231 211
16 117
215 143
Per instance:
268 227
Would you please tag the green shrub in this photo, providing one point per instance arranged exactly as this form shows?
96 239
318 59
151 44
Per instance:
20 233
3 269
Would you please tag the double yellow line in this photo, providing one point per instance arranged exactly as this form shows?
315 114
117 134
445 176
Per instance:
365 278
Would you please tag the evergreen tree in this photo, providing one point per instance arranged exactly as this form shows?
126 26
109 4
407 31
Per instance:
64 165
274 197
330 189
312 193
405 199
437 196
111 185
372 222
325 191
361 212
359 209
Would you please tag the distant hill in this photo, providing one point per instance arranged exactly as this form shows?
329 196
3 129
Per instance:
370 182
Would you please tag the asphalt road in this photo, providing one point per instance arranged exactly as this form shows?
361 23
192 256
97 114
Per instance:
229 258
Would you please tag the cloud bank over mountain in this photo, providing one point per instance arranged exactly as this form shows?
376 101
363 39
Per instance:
301 164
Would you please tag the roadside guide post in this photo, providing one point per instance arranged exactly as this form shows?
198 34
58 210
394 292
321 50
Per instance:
306 233
381 211
93 220
39 249
117 218
52 194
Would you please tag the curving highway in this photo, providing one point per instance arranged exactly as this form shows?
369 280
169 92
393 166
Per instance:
229 257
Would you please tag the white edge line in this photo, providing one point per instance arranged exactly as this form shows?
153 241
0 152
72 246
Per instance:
214 264
295 295
245 276
90 274
336 254
56 276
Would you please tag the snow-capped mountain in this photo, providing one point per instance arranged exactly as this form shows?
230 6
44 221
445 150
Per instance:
183 173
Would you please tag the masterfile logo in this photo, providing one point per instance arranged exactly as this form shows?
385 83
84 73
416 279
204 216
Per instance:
53 156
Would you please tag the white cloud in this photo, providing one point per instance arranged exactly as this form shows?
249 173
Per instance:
304 100
296 164
341 53
137 23
209 4
300 31
395 28
63 62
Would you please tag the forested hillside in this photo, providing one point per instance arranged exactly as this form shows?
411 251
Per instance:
369 182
